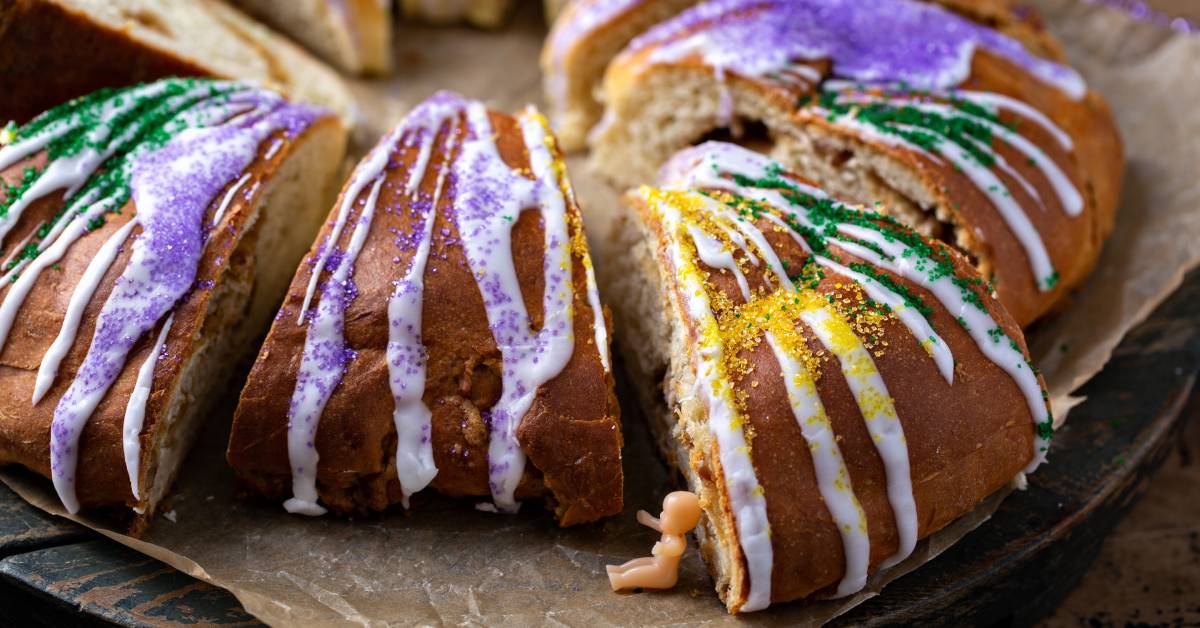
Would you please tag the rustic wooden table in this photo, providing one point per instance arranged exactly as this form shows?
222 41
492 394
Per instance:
1016 569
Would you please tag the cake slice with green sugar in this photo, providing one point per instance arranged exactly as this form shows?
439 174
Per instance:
146 235
960 118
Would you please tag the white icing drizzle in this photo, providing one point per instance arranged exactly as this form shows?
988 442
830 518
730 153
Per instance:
600 328
833 479
51 237
80 298
703 175
746 498
135 410
225 202
978 323
169 183
868 131
162 265
93 211
273 149
980 175
920 328
714 254
486 212
860 372
366 174
15 297
1002 164
996 102
1068 194
914 321
1013 214
17 249
71 173
990 101
415 465
879 414
324 355
704 166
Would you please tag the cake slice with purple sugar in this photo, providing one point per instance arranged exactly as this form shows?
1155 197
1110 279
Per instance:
444 335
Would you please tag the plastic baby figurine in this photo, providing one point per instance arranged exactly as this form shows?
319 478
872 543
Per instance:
681 513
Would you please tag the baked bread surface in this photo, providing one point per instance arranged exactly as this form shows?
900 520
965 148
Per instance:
253 226
63 49
1003 152
583 40
570 432
755 444
354 35
481 13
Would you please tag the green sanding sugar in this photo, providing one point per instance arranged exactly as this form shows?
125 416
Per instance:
153 114
934 258
925 129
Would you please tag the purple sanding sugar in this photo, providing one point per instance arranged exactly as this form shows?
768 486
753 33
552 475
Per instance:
922 45
172 188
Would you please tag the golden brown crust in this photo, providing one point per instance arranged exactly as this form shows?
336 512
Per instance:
571 433
1094 165
965 440
24 429
480 13
355 35
55 54
578 49
59 50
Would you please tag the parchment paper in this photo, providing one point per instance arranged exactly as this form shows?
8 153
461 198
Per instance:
448 564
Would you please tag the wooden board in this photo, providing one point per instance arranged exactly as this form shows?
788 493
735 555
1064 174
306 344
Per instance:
24 528
103 582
